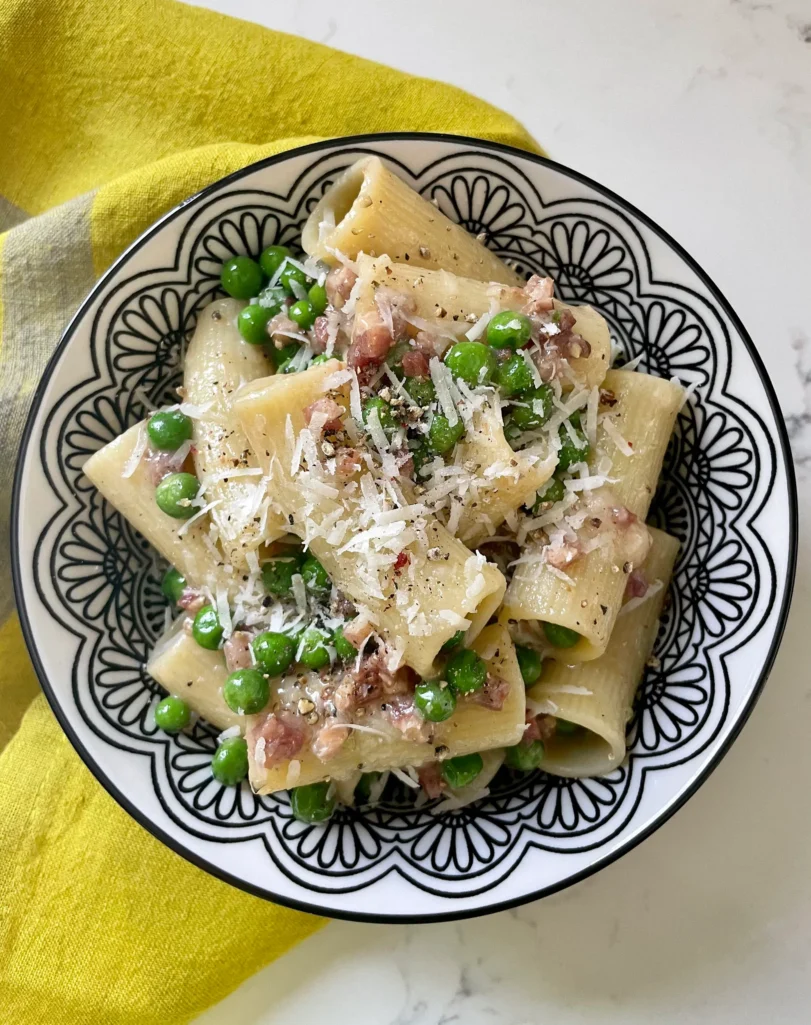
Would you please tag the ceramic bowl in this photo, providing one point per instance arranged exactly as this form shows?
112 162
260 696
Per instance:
88 585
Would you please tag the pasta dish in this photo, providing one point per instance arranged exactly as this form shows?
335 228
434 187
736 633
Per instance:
402 496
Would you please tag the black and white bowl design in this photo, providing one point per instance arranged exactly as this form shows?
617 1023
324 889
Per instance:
88 585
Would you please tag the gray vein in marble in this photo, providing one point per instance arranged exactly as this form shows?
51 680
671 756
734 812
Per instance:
799 424
332 28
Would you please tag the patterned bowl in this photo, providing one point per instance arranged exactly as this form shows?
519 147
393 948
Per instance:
88 585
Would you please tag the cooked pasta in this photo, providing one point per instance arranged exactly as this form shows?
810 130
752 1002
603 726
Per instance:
378 745
123 473
414 582
400 489
596 697
585 596
370 210
181 666
217 363
453 304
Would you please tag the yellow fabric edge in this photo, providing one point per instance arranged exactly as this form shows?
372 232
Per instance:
17 668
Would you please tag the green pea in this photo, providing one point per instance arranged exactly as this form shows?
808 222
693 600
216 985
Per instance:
566 728
524 757
291 274
421 390
453 642
172 715
246 691
274 652
394 359
434 702
272 298
508 330
363 788
553 491
272 258
461 771
512 432
174 495
560 636
474 362
513 376
529 662
384 414
287 367
441 436
315 576
173 584
536 412
466 672
314 654
283 355
318 299
343 648
277 575
252 322
320 358
572 452
303 314
206 628
313 803
167 431
420 455
242 277
229 765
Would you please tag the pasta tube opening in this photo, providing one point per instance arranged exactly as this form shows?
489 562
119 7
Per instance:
370 210
594 699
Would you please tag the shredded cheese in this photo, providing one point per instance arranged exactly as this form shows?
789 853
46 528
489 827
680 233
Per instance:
443 380
479 327
612 431
634 603
193 519
137 454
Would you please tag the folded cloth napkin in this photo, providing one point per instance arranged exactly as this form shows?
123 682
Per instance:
111 114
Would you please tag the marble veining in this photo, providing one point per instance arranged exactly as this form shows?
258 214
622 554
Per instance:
799 424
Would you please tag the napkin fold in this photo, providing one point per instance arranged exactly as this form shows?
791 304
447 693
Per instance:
110 114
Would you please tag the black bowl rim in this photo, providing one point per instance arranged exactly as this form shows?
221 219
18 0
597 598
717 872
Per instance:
158 831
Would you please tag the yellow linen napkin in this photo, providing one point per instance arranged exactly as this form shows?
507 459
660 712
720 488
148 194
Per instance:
110 114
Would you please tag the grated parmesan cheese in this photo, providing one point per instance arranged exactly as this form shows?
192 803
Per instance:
299 594
592 407
479 327
443 380
137 454
376 432
612 431
197 516
634 603
224 611
339 378
232 731
355 406
537 380
409 782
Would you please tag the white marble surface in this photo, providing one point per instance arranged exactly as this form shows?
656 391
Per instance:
699 112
